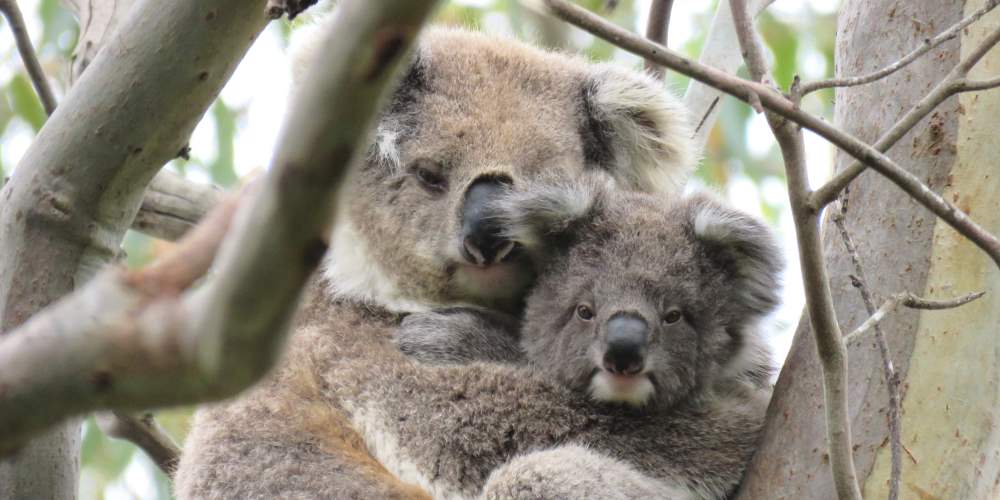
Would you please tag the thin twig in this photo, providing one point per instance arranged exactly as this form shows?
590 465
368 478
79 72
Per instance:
907 299
888 370
952 84
929 43
819 300
657 29
774 101
13 15
977 85
144 432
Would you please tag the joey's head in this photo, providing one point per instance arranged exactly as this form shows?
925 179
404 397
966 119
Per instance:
475 117
643 300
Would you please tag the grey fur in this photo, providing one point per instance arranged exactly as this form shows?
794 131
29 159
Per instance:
475 105
626 252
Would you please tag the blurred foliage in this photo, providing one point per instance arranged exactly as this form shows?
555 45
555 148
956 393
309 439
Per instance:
803 39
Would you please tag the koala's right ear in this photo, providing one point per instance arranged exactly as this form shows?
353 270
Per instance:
545 216
744 247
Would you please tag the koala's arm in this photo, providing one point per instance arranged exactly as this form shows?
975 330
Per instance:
460 335
572 471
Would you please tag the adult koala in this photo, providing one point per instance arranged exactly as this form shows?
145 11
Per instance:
474 116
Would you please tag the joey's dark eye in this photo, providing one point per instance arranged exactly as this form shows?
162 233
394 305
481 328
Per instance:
584 312
430 175
672 316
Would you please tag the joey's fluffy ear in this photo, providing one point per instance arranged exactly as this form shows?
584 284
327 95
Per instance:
745 248
637 130
544 216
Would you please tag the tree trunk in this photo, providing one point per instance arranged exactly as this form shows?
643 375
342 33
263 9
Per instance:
947 360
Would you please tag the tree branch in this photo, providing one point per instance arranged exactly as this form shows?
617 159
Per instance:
173 205
721 51
145 433
954 83
967 85
888 371
929 43
656 31
752 92
13 15
819 301
80 183
907 299
124 342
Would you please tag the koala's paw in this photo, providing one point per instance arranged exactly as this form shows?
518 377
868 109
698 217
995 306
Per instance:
458 335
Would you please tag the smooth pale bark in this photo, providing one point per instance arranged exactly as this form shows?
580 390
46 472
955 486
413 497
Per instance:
173 205
947 359
98 22
950 412
79 186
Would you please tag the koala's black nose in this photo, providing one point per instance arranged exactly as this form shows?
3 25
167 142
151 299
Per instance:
626 344
482 240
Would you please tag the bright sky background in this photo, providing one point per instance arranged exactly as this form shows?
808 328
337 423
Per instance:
260 85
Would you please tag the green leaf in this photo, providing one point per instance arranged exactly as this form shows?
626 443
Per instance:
25 102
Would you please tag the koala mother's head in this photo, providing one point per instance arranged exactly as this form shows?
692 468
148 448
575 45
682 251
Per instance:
644 301
473 116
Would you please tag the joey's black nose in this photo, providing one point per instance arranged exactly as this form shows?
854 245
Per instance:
625 353
482 236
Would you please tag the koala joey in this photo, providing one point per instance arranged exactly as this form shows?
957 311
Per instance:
475 116
638 371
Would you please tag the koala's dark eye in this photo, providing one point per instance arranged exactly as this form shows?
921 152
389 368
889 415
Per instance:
430 176
584 312
672 316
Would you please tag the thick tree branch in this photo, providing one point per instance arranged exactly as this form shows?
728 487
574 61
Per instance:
954 83
13 15
888 370
80 183
753 92
657 29
929 43
819 301
145 433
125 342
173 205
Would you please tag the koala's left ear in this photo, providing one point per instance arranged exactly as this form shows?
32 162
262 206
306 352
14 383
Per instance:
637 130
745 248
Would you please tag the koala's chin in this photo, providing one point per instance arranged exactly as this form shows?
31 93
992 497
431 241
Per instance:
499 285
631 390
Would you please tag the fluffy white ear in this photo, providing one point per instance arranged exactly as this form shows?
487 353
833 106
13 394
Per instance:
541 216
746 249
638 130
